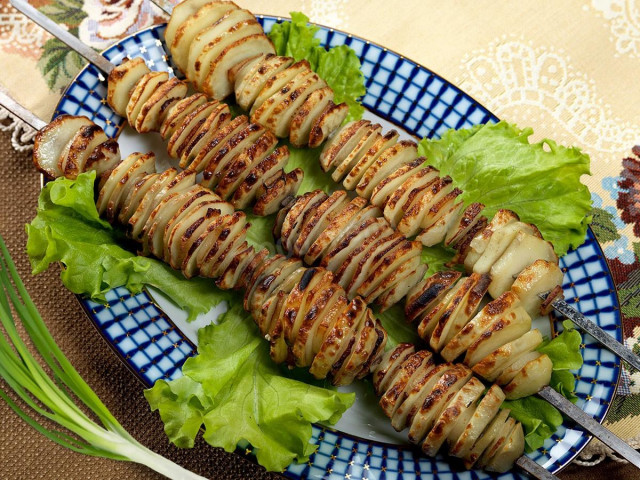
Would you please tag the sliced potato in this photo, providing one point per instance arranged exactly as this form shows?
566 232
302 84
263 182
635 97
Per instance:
513 448
391 363
304 116
103 158
372 134
181 12
342 143
480 242
487 437
53 141
535 375
389 161
466 220
121 82
178 112
80 147
381 143
155 109
143 90
249 87
326 123
269 197
493 364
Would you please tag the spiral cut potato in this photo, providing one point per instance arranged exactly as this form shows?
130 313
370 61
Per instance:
238 159
222 49
441 403
350 238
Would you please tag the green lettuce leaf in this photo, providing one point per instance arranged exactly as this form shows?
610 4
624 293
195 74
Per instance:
233 377
339 66
564 350
67 229
495 164
539 419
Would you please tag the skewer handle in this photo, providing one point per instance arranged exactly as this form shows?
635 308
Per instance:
534 469
590 425
56 30
19 111
596 332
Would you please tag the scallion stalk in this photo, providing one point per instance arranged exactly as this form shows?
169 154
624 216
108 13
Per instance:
55 395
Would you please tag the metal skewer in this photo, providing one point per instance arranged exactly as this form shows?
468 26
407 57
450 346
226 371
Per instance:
595 331
165 5
547 393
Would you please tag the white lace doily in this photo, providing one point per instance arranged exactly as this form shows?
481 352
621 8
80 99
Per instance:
21 133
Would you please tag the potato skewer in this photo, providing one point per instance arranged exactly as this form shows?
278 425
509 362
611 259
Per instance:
303 312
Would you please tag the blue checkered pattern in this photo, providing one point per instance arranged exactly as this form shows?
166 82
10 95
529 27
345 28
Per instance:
425 104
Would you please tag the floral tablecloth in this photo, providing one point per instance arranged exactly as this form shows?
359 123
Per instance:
569 69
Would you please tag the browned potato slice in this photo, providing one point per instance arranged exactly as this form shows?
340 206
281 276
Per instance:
265 285
335 228
513 448
103 158
116 175
216 120
339 339
162 215
415 367
304 116
121 82
396 278
416 395
484 414
178 112
242 164
155 109
188 128
326 123
427 206
436 232
343 143
381 143
265 109
539 277
142 211
531 378
479 243
228 241
256 276
491 313
278 81
460 402
280 118
431 317
248 87
462 244
216 39
389 161
490 434
390 364
504 330
436 400
248 189
383 269
496 444
411 189
229 279
318 221
78 149
181 232
142 92
384 190
211 39
372 134
461 307
302 208
403 283
217 84
216 142
493 364
142 166
53 141
205 15
465 221
426 294
135 196
226 154
498 243
345 257
269 197
523 250
239 70
181 13
368 211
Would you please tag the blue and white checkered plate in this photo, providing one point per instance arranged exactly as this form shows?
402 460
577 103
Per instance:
153 339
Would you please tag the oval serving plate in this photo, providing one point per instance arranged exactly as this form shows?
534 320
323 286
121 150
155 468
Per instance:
153 339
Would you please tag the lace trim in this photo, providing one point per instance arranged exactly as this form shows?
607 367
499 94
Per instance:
596 452
21 133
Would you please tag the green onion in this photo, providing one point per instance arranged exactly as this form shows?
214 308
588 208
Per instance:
54 395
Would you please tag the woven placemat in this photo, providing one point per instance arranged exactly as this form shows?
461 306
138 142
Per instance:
25 454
